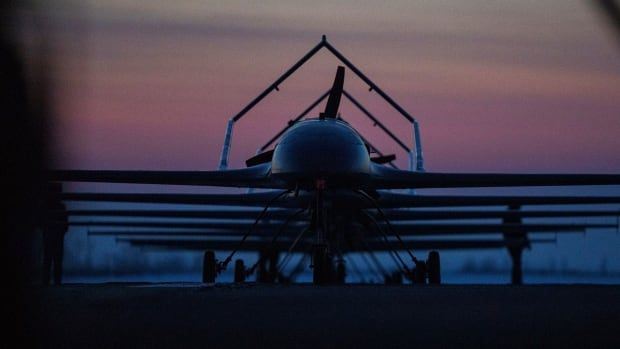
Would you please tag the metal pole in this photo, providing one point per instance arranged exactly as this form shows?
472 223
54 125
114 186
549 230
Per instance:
319 100
370 145
418 147
376 121
372 85
226 146
292 122
284 76
273 86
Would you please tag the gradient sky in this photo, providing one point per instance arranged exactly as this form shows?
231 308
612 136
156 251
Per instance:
525 86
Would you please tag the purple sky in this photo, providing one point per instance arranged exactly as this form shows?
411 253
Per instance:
526 86
529 86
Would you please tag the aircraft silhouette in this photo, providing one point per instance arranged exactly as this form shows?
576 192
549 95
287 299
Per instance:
326 153
323 166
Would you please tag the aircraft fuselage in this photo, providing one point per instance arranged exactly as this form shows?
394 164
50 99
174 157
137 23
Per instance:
321 150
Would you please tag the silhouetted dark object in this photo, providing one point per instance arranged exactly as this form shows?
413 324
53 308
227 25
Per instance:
386 199
239 271
320 264
274 256
268 264
433 267
370 146
329 162
396 278
335 100
54 230
25 101
419 274
209 265
170 241
259 159
384 159
612 11
392 215
516 241
403 229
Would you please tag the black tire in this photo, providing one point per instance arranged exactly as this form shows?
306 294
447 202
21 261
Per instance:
320 265
433 267
209 267
420 273
239 271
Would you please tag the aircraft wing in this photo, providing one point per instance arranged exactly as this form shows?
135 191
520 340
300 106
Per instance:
384 177
447 215
392 215
394 200
251 177
255 245
275 214
385 200
245 200
269 229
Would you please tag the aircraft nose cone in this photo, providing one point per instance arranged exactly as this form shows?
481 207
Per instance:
321 148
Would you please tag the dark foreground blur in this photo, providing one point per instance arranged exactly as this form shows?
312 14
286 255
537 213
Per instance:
25 116
189 315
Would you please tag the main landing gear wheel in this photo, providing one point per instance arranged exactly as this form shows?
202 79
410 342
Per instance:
419 275
209 268
433 268
320 264
239 271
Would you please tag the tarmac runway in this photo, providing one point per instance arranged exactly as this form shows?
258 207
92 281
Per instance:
305 316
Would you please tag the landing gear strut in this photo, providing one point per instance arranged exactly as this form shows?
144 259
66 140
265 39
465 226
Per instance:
517 271
321 259
516 241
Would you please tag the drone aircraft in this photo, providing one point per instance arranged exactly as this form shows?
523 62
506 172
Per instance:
333 197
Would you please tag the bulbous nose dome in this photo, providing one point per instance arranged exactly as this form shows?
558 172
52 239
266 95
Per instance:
321 148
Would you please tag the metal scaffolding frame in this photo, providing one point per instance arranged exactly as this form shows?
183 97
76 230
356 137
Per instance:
416 159
357 104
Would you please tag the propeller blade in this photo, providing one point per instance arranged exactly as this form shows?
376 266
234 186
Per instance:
331 109
259 158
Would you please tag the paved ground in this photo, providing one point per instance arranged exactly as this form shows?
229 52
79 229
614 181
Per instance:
309 316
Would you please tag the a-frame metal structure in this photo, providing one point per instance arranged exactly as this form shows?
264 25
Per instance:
416 158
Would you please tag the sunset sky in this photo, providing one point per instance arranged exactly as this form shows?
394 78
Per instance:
521 86
528 86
